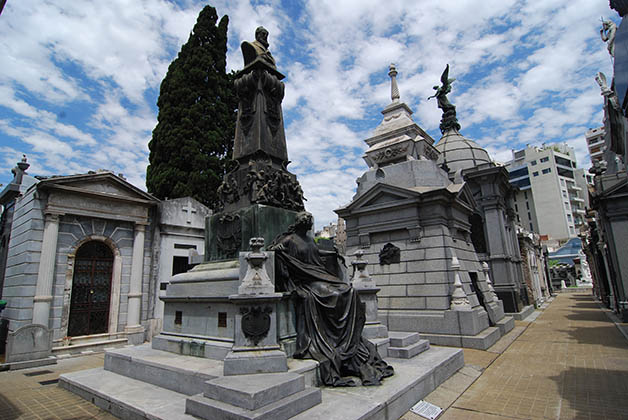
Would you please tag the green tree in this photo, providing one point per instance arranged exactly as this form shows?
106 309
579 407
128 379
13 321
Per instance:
192 143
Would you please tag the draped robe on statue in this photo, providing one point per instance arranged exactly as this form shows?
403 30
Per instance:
330 315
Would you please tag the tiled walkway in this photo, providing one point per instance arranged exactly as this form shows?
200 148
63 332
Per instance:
34 394
570 363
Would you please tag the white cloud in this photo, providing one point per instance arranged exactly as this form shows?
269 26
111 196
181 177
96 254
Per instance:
524 73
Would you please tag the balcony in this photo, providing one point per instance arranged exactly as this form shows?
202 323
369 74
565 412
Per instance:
572 187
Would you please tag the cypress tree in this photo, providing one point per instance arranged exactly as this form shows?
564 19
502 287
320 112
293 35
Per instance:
192 143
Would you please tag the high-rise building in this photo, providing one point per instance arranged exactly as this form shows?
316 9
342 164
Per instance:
549 200
595 143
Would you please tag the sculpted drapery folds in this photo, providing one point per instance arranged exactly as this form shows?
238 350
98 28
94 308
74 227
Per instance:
330 315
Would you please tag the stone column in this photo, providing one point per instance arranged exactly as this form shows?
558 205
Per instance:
133 328
45 275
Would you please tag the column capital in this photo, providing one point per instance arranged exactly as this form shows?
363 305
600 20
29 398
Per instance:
140 226
50 216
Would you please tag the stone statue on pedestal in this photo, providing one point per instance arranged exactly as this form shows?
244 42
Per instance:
260 197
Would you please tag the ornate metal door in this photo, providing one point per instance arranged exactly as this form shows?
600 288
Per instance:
91 290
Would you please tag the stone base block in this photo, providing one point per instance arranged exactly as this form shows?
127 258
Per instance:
188 346
505 325
182 374
254 391
375 331
410 350
481 341
403 339
381 344
252 362
524 313
286 408
27 364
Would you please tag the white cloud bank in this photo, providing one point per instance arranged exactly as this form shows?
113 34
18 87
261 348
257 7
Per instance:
79 80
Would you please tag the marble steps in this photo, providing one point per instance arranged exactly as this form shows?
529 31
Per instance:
182 374
524 313
130 398
381 344
405 345
95 343
124 397
481 341
275 396
505 325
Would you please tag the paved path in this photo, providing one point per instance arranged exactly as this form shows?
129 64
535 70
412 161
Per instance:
569 363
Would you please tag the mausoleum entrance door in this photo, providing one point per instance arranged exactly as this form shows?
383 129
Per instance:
91 290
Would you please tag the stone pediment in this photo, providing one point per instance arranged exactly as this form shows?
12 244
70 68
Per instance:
464 194
380 195
103 184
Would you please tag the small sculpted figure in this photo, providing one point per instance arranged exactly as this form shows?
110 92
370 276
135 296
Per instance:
607 33
443 90
258 49
330 316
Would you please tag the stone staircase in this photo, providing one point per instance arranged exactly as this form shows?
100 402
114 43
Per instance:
94 343
139 382
405 345
277 396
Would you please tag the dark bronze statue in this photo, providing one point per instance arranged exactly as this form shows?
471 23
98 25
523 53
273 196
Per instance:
330 315
258 49
449 120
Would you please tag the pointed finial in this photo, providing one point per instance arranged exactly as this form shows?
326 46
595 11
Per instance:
394 90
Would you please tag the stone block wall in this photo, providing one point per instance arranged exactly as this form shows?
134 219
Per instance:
23 257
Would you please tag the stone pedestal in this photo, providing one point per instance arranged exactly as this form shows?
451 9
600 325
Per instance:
255 349
367 290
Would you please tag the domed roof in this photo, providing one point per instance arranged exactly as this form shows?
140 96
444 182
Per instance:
460 152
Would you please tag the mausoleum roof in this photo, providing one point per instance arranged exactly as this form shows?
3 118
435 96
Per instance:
459 152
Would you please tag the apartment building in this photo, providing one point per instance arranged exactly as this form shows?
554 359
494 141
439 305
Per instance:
549 201
595 143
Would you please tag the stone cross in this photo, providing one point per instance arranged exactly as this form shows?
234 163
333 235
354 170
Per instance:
189 210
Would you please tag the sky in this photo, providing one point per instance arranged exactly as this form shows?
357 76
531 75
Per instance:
79 80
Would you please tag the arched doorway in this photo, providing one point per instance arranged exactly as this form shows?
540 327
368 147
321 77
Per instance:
91 290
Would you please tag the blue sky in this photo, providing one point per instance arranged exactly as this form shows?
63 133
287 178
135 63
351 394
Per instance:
79 80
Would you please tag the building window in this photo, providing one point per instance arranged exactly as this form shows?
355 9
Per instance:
562 181
569 217
565 172
535 173
566 205
533 163
531 227
544 159
516 208
527 205
564 193
525 195
547 170
529 216
518 173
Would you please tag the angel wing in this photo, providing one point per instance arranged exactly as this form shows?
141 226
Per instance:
444 78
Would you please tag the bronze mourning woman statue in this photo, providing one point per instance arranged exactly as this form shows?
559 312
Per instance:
330 316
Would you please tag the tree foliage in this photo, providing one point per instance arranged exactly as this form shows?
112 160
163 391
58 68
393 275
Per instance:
192 143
